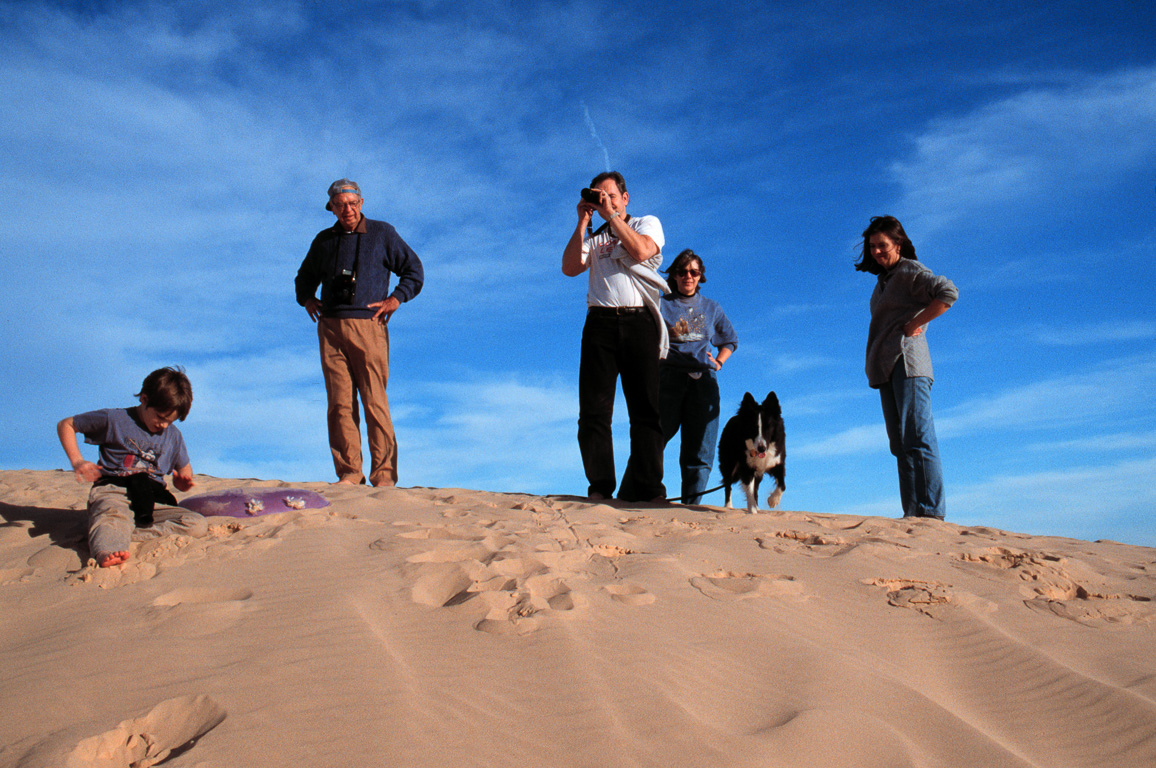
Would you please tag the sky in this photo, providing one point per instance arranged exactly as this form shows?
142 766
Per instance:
166 167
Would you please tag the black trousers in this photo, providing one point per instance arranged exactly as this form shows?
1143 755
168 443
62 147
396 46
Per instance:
620 341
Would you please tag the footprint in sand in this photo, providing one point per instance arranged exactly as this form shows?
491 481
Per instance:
170 728
1098 610
441 584
446 533
517 611
519 567
514 611
922 596
629 594
56 559
811 542
726 585
1060 585
12 575
194 595
506 626
550 593
479 552
834 523
196 612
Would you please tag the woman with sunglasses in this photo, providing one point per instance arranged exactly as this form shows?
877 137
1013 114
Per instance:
688 385
907 297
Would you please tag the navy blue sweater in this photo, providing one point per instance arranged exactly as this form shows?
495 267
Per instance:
378 252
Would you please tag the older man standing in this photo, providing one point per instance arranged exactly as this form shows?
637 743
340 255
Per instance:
623 335
352 261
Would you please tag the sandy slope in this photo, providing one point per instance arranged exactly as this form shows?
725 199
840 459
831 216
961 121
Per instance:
433 627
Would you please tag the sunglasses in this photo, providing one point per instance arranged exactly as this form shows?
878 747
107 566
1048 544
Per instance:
687 273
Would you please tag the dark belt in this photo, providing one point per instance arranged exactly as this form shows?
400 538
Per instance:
614 311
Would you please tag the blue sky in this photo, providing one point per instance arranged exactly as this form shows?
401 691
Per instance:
166 166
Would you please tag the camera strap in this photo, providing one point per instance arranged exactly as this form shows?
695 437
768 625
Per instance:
606 225
356 255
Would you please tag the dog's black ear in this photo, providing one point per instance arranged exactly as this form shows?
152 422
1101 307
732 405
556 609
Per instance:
749 399
772 400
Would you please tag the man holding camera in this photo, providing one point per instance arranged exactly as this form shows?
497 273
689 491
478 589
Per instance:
623 335
352 261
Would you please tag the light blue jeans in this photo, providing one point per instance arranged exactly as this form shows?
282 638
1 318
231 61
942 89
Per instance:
911 430
691 405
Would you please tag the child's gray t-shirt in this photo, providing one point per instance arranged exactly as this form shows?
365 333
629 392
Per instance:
127 448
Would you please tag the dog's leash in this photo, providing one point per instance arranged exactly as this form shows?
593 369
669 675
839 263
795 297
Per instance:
679 498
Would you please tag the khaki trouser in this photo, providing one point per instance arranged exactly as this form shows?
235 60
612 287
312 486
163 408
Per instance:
355 361
111 525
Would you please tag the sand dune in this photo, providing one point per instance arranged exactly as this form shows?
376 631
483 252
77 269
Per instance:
443 627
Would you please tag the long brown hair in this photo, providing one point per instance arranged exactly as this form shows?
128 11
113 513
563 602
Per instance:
889 226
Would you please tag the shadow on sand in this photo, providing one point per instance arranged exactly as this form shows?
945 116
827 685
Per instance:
66 528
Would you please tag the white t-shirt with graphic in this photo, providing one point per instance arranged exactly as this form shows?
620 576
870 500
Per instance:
610 285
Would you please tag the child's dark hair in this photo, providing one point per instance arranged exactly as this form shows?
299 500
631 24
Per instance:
166 390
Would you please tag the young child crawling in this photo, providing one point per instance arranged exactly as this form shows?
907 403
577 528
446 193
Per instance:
129 500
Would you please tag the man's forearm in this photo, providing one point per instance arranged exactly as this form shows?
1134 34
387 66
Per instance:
573 263
640 247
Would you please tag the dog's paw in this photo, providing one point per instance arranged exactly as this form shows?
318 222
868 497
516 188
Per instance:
774 499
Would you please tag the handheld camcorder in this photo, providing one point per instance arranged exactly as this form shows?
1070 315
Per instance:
592 196
343 287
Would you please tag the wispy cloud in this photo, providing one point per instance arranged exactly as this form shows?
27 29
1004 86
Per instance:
1114 443
1055 403
1034 147
1100 333
855 440
516 435
594 134
1118 386
1081 502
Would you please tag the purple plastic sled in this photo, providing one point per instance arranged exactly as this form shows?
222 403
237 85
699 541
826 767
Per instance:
250 502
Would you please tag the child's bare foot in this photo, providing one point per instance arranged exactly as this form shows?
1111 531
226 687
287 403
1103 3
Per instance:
105 559
348 480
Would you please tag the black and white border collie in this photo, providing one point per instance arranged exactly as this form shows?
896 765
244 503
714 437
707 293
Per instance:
753 444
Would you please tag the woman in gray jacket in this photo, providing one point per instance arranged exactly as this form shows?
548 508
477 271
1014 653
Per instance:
907 297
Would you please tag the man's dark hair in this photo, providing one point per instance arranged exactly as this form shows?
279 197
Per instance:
621 182
889 226
166 390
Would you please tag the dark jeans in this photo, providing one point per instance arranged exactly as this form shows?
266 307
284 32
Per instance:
692 405
620 341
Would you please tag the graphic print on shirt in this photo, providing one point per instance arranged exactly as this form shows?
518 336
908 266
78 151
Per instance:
691 326
602 250
144 458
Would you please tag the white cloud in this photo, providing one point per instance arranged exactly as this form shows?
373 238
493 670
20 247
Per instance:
1124 441
1033 147
1111 388
1100 333
1081 502
493 433
856 440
